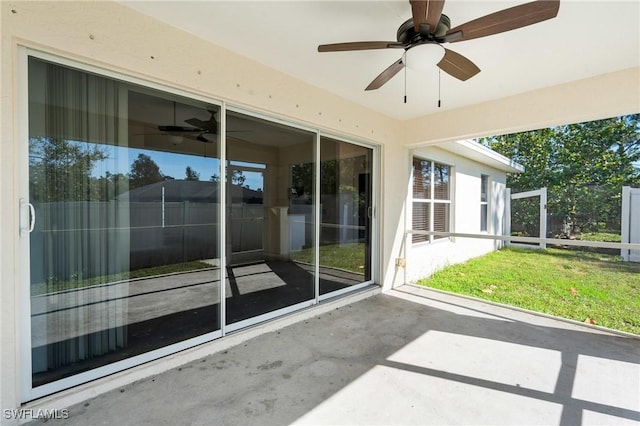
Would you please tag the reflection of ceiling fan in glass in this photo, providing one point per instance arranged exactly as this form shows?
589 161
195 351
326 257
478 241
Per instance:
199 128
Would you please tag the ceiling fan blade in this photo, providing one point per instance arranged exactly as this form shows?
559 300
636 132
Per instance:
179 129
359 45
386 75
210 126
505 20
457 65
426 12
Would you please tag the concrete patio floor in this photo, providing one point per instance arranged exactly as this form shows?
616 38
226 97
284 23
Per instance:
410 356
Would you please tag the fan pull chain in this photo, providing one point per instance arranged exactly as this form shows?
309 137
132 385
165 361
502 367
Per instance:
404 62
438 87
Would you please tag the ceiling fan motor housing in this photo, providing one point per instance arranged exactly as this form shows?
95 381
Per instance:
408 35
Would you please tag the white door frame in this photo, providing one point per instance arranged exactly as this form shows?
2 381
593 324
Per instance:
27 391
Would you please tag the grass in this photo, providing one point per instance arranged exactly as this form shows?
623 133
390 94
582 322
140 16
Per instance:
54 286
600 236
349 257
588 287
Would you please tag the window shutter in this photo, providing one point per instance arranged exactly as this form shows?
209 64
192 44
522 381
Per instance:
441 182
420 221
429 177
421 179
440 218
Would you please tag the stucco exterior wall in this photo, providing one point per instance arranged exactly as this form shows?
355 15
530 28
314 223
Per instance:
114 37
423 259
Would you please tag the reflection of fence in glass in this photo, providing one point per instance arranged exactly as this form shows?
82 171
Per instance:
247 224
343 217
81 240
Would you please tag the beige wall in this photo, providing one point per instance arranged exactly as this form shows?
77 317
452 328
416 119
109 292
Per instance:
112 36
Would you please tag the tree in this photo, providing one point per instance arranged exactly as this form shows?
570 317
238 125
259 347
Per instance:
191 174
583 166
60 170
144 171
238 178
111 185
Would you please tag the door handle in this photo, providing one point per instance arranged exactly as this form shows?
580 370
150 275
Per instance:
32 217
28 223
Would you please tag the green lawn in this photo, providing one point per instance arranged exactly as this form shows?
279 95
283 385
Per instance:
582 286
54 286
349 257
600 236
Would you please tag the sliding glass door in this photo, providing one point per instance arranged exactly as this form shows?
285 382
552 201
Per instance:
346 215
270 218
124 201
132 202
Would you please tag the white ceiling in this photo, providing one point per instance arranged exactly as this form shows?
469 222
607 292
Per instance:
587 38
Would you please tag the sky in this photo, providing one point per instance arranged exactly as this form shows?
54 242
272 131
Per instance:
171 164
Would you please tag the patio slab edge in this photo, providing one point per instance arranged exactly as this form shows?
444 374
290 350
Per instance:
446 296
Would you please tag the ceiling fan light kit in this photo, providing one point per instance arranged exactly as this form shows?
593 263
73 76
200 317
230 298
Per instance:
175 139
428 25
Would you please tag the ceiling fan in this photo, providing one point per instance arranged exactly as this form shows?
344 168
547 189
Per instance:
197 132
428 25
209 126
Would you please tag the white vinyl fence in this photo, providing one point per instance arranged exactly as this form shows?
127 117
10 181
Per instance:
538 197
533 232
630 222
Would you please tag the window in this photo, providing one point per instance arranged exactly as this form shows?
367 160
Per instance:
120 191
484 204
431 198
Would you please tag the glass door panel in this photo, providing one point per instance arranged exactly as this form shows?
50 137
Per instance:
270 226
124 184
345 215
246 218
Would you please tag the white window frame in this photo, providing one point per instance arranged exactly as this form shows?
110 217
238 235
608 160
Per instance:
486 179
432 200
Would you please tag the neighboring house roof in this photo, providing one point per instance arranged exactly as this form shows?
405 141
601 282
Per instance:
474 151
